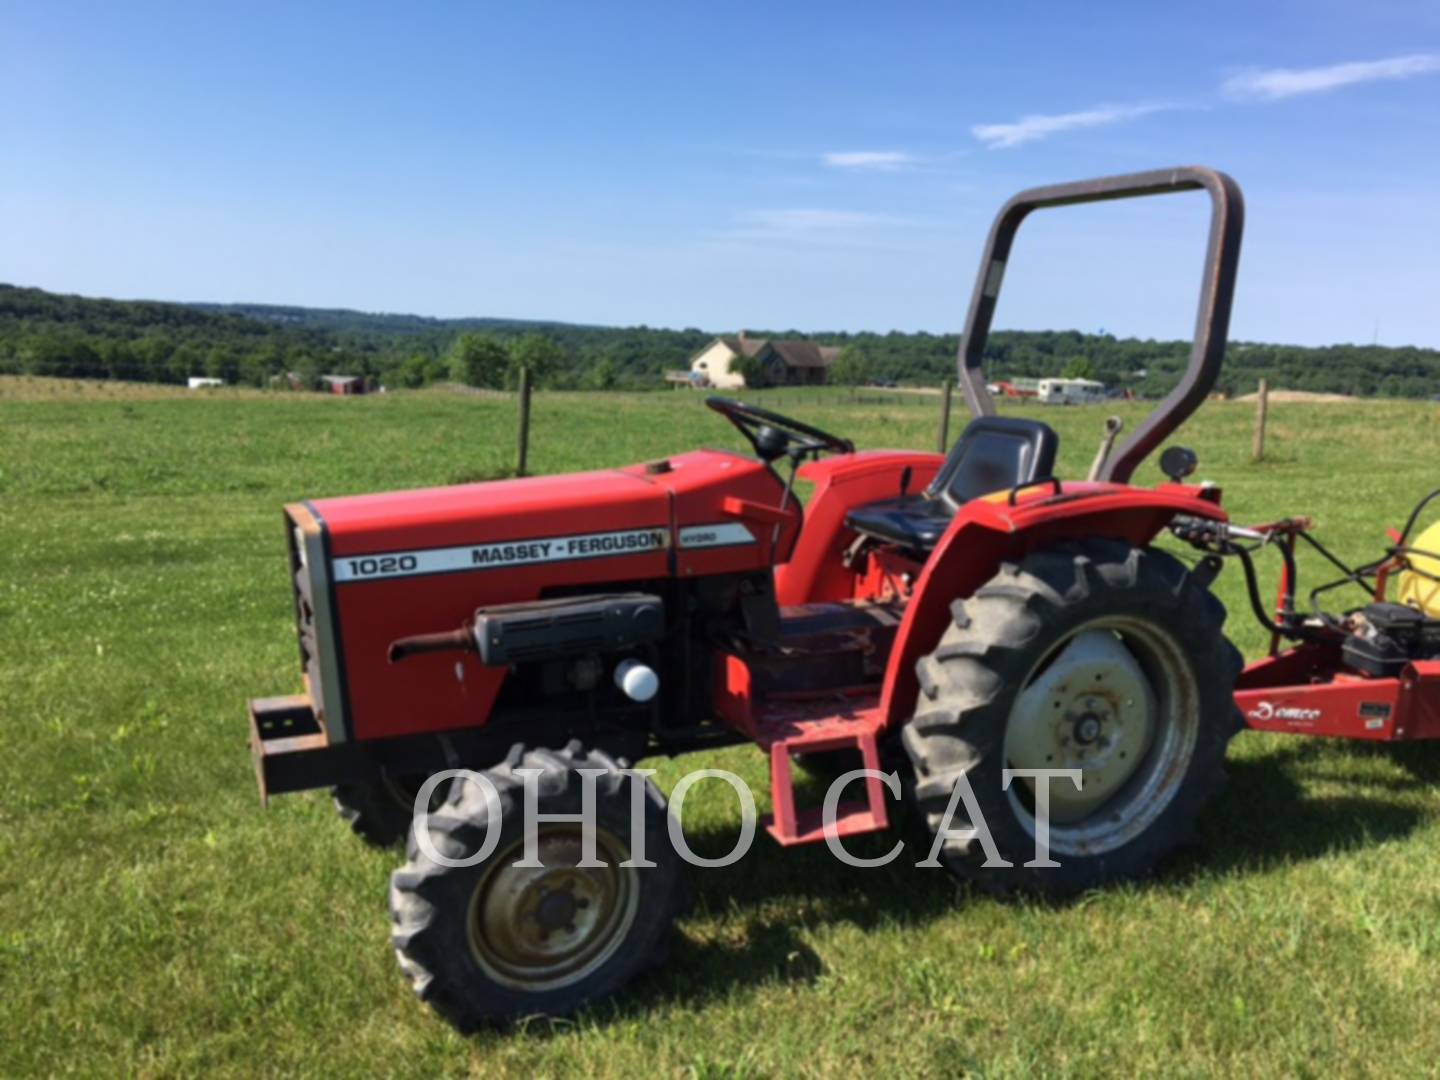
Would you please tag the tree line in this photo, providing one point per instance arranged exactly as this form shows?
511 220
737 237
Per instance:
44 333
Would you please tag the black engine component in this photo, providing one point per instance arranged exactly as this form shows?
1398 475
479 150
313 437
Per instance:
549 629
826 646
534 630
1385 637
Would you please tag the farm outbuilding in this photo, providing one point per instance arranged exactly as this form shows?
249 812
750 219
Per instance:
344 384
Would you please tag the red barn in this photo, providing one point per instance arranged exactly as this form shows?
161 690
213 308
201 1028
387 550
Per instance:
344 384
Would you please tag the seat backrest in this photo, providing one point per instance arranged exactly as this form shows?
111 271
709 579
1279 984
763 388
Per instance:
994 453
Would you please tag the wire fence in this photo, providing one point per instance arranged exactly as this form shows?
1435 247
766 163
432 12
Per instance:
921 397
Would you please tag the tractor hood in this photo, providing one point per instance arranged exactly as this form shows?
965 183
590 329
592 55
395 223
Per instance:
370 569
703 500
488 513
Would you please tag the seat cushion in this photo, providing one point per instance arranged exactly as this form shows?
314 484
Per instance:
993 453
912 521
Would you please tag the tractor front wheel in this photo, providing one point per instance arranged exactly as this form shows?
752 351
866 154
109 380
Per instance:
380 812
502 939
1097 658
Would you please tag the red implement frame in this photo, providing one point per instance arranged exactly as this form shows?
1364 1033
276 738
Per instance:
1307 690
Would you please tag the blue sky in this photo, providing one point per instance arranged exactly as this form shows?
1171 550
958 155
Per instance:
808 165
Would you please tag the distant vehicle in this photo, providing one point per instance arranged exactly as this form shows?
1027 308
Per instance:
1070 391
695 380
1015 388
198 382
883 384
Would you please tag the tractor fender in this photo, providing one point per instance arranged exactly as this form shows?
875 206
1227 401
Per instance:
990 531
815 571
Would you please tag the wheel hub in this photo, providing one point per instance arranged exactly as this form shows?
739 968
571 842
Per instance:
1087 729
535 927
1091 709
556 910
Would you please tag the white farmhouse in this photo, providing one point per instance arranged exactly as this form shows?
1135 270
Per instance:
789 363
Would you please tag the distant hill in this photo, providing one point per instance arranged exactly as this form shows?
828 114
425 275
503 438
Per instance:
22 308
49 334
345 320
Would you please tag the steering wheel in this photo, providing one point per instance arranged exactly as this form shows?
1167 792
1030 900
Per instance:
772 435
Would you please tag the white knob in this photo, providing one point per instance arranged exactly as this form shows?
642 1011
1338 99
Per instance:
638 681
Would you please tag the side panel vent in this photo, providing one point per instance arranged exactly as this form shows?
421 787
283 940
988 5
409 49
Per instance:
548 629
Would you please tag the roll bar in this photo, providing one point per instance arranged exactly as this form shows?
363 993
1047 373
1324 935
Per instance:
1212 322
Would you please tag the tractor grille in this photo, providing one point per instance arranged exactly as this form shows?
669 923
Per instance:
305 622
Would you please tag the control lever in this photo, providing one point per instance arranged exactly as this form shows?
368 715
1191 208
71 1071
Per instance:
1113 427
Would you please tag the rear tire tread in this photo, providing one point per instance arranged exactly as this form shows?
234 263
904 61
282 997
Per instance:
968 682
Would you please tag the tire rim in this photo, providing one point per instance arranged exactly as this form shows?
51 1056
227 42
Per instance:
1117 699
539 928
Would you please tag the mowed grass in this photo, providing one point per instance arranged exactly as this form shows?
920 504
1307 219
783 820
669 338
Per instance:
154 920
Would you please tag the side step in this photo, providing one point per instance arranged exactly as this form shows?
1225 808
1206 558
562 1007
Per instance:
785 730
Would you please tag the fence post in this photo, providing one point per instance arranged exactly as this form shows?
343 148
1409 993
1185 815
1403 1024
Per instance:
1262 410
945 415
523 447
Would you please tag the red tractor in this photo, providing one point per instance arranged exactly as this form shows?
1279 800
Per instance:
952 618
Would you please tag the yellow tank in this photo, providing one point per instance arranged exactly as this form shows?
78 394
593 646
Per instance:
1419 591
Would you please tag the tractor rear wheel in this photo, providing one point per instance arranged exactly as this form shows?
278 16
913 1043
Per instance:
497 941
1096 657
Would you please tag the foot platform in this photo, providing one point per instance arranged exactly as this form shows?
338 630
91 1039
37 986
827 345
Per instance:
787 729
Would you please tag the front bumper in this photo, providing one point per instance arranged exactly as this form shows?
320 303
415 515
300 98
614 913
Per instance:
292 752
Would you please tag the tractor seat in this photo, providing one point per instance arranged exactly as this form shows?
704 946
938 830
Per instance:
993 453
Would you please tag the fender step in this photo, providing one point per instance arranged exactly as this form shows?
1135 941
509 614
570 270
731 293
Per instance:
785 729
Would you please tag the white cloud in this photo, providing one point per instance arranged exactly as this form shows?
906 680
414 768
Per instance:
818 227
1035 127
1277 83
809 221
874 160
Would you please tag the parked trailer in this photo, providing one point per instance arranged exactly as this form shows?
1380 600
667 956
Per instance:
1070 391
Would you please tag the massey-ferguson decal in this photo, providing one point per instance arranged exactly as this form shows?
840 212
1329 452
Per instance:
495 556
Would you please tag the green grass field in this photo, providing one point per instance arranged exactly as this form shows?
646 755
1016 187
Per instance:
154 920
